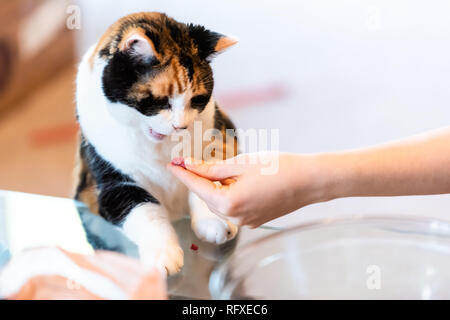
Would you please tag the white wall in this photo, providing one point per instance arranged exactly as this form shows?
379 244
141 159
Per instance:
358 72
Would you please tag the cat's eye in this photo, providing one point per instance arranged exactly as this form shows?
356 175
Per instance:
200 101
163 103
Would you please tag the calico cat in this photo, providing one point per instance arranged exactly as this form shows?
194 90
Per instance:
146 80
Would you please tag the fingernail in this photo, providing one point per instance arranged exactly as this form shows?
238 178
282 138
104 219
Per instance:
179 162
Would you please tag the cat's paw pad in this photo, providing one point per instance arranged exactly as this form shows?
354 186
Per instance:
214 230
167 258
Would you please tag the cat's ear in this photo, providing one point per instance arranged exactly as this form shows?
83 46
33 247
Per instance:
136 43
224 43
209 43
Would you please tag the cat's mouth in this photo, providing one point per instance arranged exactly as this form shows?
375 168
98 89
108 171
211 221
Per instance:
158 136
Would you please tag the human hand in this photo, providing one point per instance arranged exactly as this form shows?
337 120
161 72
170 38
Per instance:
248 193
251 195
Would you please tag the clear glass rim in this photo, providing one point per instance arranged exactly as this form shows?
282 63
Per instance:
216 283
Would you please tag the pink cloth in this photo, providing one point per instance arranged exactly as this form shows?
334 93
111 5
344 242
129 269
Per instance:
53 273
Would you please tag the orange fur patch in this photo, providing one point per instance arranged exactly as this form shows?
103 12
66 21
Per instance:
225 43
114 30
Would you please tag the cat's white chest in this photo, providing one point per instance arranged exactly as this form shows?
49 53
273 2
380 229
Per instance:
151 174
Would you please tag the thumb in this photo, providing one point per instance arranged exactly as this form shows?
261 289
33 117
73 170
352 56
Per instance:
215 171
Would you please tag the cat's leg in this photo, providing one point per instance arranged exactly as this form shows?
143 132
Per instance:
148 225
206 225
145 222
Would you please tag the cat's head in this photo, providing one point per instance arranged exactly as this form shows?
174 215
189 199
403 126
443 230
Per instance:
157 72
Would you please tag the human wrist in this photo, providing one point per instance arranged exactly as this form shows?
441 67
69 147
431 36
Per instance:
311 178
335 175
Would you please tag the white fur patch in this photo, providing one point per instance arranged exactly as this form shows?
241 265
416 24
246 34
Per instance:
208 226
148 225
140 46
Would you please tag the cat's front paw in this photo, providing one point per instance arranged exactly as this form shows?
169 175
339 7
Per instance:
167 258
214 229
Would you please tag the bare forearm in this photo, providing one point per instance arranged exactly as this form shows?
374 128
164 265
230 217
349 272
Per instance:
416 166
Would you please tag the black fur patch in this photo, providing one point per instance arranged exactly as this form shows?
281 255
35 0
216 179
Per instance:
118 194
187 63
121 73
150 106
221 121
199 102
154 37
82 184
176 32
117 200
205 40
119 76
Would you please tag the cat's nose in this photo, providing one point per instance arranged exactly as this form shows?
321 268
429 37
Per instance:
179 128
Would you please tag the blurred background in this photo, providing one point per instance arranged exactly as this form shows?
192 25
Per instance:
329 75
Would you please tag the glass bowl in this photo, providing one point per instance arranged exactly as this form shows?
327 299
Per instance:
359 258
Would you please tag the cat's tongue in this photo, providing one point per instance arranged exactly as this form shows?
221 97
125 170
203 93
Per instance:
156 135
